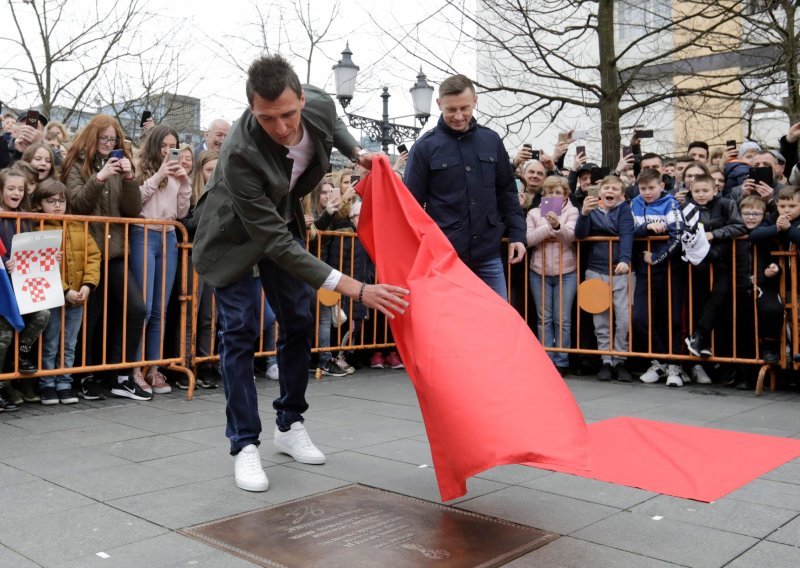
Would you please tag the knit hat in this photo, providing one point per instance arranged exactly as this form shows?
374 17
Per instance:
747 146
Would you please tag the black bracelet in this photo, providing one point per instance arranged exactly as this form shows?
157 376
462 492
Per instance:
361 292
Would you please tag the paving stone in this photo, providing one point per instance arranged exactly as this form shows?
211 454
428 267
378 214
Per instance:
10 559
367 433
181 405
13 476
708 408
74 533
513 474
213 437
401 411
573 553
778 415
152 447
122 481
38 498
768 554
199 466
788 533
751 429
591 490
405 450
787 473
767 492
105 433
170 423
167 550
62 462
189 505
546 511
668 540
59 422
340 417
729 515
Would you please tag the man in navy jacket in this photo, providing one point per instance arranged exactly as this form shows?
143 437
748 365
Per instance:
460 172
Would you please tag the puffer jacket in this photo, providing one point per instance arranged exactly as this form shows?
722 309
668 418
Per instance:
555 262
115 197
81 257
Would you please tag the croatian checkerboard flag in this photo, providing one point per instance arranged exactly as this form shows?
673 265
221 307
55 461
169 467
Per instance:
8 303
489 394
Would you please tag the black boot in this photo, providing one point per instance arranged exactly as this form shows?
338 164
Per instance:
769 351
6 402
26 364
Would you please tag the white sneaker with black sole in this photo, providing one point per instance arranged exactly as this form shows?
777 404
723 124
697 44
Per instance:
129 389
655 373
296 443
248 471
674 376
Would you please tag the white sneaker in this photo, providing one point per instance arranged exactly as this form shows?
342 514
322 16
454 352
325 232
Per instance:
344 365
248 470
654 374
700 376
272 372
297 444
674 376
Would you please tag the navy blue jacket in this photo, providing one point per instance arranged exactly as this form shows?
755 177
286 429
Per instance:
618 222
466 184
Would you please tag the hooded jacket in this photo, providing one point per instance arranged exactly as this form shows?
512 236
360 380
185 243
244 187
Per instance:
665 210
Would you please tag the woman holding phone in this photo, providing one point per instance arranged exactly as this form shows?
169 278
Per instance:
166 194
100 181
553 276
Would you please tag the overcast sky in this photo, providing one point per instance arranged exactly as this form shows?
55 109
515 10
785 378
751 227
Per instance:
214 78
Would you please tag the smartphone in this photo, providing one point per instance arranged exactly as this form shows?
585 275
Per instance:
626 151
354 180
32 118
118 154
174 154
402 148
730 143
552 205
335 192
598 174
594 191
579 134
644 134
535 154
636 149
562 137
146 115
580 150
761 174
526 145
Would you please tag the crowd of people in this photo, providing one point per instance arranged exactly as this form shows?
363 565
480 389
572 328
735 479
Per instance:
699 203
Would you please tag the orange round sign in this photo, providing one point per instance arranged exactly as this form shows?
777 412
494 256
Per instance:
594 296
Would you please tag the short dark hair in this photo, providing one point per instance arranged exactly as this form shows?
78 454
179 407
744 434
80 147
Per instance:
648 175
651 155
456 85
698 144
269 76
704 178
683 159
47 188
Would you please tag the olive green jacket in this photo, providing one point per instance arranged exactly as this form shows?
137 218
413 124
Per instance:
242 216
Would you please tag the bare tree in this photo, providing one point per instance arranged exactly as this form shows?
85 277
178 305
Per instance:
64 51
545 58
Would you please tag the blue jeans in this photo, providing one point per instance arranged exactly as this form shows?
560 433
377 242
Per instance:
553 317
160 269
268 319
291 299
51 341
491 272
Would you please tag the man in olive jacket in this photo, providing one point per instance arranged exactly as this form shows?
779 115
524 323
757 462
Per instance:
251 215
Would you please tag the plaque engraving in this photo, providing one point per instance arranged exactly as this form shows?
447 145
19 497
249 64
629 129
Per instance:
363 526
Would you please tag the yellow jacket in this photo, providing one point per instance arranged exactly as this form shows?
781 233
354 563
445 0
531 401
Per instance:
82 258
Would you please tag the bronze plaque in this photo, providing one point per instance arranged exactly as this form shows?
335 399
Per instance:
363 526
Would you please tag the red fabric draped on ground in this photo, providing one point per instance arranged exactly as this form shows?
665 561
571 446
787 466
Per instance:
488 392
703 464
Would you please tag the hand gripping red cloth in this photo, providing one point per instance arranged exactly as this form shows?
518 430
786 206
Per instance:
488 392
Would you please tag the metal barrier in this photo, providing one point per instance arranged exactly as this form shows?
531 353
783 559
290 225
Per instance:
112 331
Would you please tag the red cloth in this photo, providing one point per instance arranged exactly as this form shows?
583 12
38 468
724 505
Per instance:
488 392
684 461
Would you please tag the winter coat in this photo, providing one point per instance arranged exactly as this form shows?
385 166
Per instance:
559 255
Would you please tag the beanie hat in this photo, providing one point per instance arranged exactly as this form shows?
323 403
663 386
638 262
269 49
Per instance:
747 146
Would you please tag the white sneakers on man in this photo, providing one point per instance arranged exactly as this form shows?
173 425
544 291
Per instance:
248 470
297 444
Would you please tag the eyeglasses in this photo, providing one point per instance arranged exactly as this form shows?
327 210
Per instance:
108 139
56 201
752 214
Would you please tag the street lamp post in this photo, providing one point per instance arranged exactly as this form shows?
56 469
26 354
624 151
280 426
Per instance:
382 130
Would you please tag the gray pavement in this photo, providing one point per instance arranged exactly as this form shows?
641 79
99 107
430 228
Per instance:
109 483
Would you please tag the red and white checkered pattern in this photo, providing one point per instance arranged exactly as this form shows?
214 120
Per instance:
36 287
23 260
47 259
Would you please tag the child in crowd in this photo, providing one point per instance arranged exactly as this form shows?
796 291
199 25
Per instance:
81 274
609 215
553 276
706 210
13 197
42 158
757 280
660 279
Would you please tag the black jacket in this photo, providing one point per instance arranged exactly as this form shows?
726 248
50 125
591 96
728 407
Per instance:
721 218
